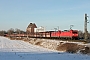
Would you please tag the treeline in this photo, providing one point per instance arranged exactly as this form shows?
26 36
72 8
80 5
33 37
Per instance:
11 31
82 34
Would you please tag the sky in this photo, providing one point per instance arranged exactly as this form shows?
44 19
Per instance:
47 13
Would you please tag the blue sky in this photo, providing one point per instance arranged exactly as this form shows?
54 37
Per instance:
47 13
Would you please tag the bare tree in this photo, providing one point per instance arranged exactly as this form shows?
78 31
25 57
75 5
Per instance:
81 34
18 31
10 31
2 33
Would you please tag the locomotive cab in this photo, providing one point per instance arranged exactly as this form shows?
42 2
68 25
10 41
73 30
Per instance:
74 34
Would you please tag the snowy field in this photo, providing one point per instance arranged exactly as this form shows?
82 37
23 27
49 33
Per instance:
20 50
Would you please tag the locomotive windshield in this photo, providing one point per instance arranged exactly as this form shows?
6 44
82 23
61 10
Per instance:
75 32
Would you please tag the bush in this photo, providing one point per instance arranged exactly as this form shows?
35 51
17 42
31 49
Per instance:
68 47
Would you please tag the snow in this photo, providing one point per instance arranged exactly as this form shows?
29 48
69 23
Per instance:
20 50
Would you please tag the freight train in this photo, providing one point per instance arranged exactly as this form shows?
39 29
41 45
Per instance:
66 34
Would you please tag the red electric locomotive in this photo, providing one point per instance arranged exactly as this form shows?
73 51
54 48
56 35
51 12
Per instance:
67 34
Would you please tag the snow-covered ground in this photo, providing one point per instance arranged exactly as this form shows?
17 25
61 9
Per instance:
20 50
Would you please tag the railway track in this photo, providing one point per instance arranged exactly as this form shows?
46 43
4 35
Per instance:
51 38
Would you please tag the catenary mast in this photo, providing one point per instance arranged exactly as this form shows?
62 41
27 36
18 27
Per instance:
85 28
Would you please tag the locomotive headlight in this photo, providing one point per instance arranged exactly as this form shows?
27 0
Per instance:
73 34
